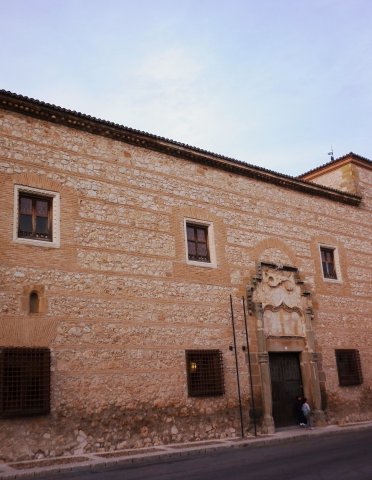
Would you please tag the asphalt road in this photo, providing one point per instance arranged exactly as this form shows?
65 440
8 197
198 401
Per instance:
346 456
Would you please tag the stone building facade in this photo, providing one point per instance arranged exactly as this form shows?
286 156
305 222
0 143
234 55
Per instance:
137 273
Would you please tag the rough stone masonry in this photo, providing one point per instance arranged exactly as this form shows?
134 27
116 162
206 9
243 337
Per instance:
119 302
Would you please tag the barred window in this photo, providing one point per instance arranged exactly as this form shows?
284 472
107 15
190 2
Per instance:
349 367
205 373
24 381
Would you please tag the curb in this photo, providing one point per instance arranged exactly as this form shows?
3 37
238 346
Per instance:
95 462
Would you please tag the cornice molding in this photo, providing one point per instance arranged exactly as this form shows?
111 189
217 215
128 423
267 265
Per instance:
58 115
337 163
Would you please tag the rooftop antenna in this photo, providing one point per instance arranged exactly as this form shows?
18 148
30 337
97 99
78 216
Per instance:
331 154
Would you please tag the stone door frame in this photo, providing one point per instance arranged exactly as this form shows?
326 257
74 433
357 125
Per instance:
303 345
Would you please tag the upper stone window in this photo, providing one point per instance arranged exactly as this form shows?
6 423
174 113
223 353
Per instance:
200 243
36 216
329 263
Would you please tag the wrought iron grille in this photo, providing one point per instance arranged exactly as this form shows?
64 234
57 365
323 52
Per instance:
205 373
24 381
348 367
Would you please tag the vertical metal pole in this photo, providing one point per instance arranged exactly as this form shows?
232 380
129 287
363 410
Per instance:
250 369
237 368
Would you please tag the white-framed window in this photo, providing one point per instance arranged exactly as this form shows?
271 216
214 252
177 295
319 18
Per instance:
36 216
199 239
330 263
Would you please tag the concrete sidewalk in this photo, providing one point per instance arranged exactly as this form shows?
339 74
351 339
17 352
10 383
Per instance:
108 460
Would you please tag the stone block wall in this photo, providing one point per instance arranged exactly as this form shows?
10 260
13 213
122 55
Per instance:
121 304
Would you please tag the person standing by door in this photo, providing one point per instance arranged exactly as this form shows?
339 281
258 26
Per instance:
306 410
301 420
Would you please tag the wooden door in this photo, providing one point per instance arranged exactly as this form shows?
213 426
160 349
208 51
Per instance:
286 385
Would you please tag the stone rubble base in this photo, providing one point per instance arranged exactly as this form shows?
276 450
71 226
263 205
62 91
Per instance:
109 460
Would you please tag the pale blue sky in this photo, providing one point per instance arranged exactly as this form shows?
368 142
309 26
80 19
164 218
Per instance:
274 83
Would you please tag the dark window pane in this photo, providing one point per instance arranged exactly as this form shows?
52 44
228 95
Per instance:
42 226
192 248
34 302
42 208
202 249
25 205
190 233
25 224
331 271
201 233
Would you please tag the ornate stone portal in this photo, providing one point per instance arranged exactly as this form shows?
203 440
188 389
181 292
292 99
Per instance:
283 312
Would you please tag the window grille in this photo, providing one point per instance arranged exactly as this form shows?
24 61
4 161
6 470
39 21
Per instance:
205 373
349 367
24 381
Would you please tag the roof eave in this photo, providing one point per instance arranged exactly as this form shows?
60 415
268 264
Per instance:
334 164
80 121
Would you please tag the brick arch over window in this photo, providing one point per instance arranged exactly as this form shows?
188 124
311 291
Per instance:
38 181
274 246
